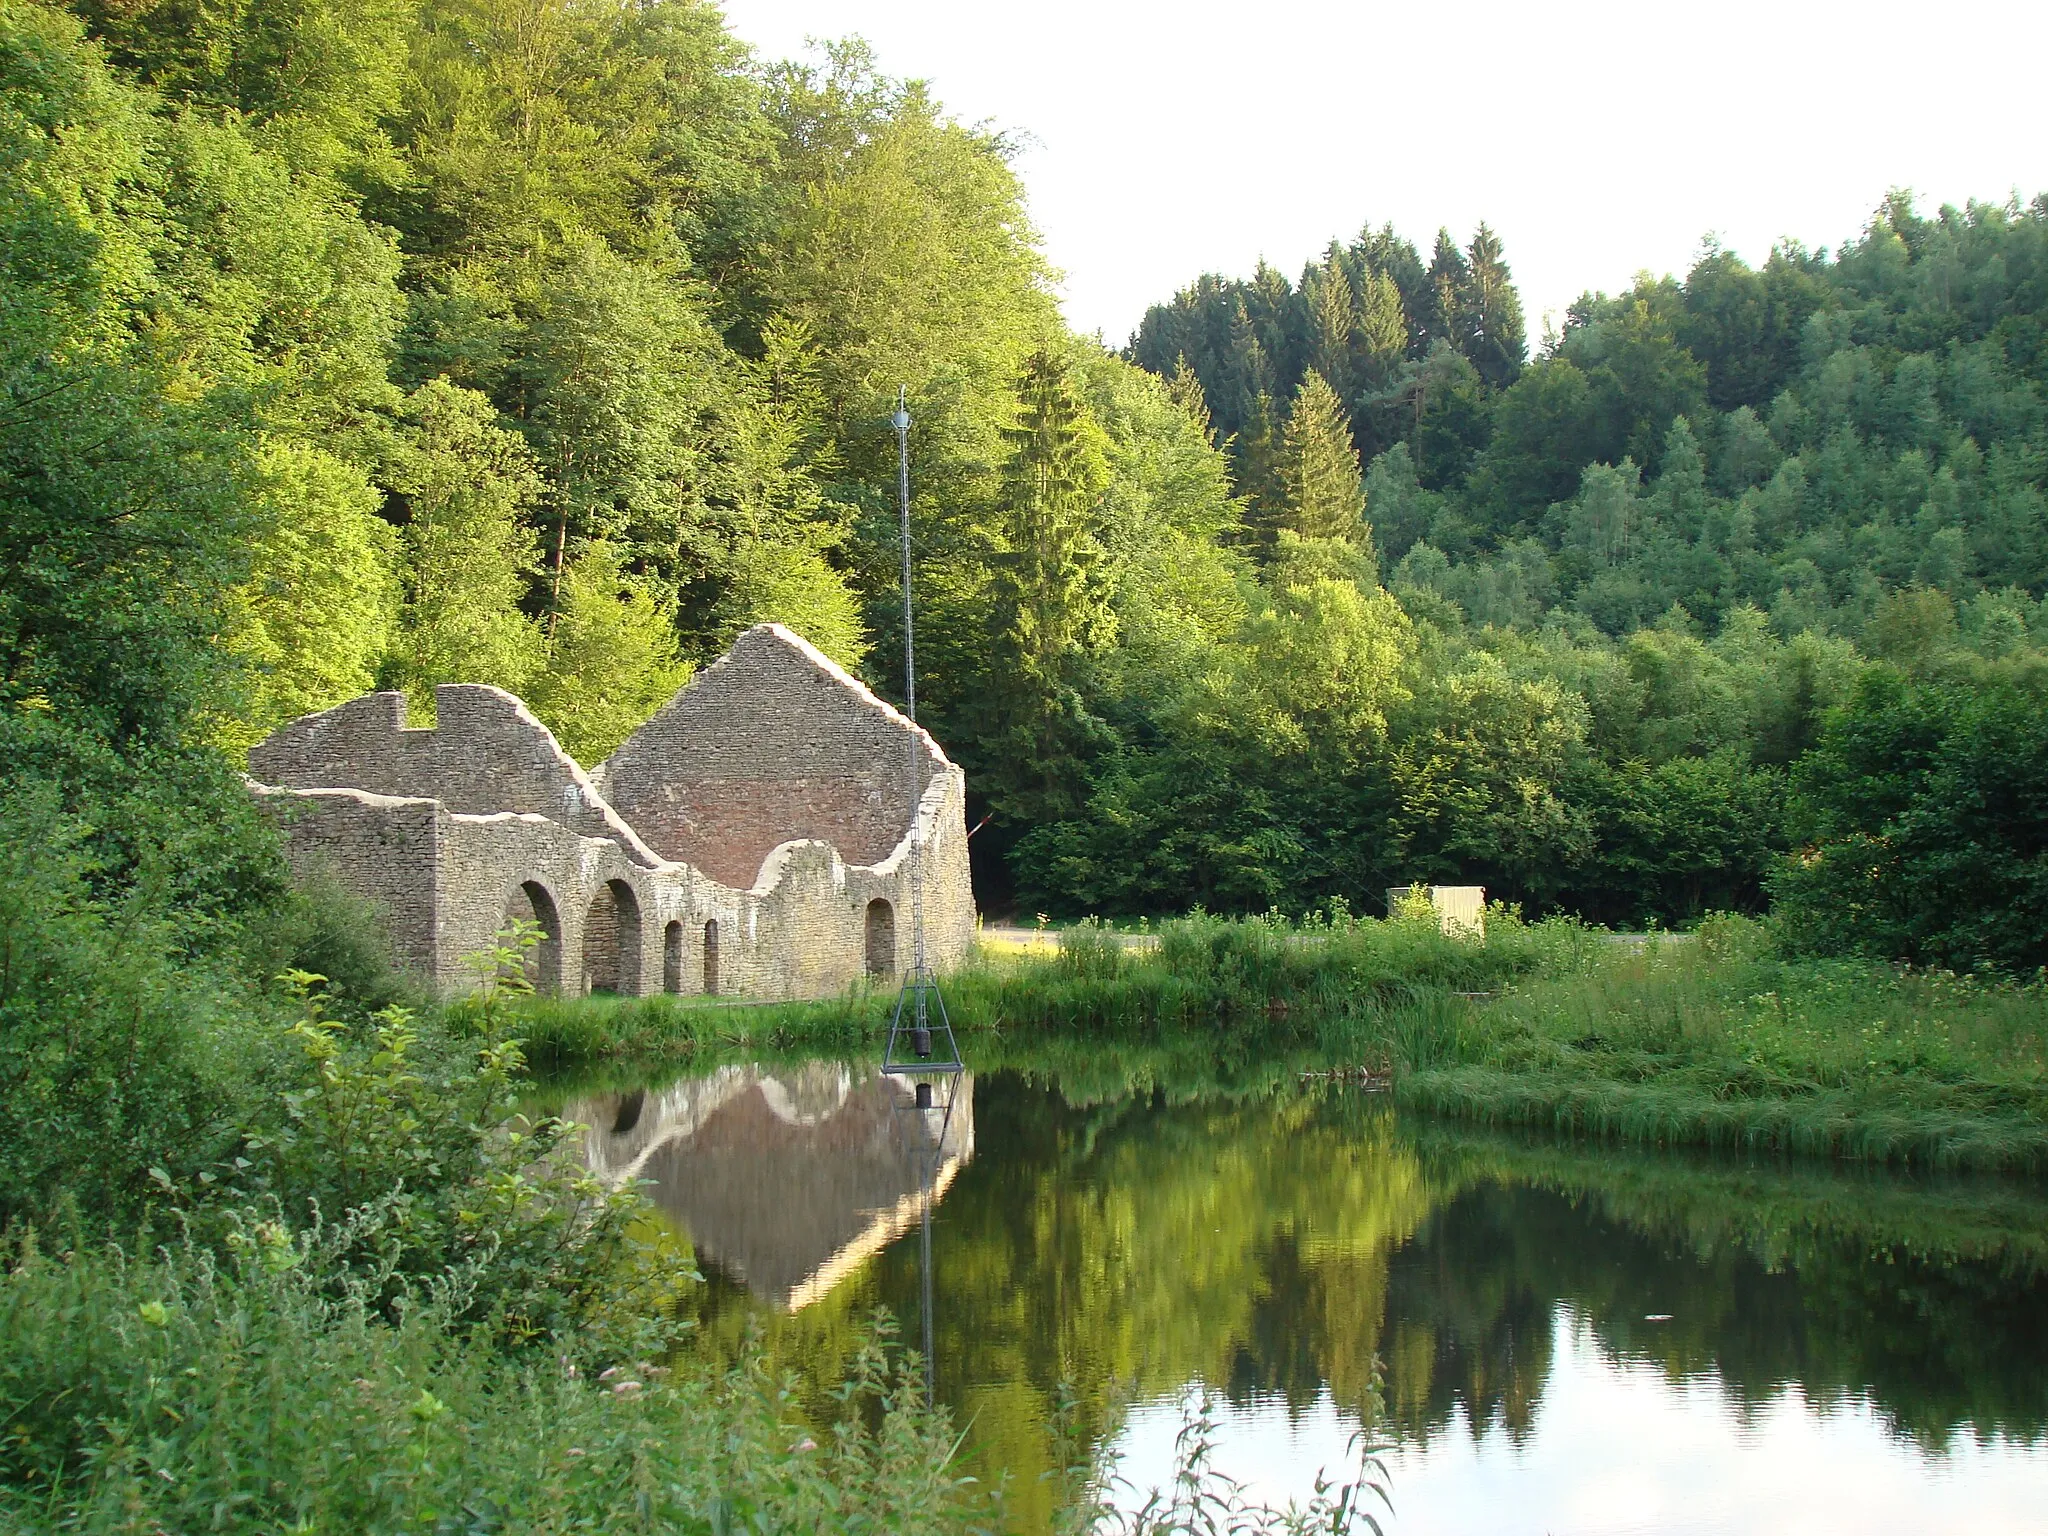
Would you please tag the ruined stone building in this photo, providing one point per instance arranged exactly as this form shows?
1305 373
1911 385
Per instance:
753 838
786 1180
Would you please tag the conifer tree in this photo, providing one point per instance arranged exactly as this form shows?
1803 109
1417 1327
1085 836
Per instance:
1489 324
1682 482
1379 339
1449 278
1250 366
1255 455
1051 492
1185 390
1319 467
1329 295
1053 603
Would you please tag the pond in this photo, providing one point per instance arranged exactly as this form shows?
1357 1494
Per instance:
1560 1340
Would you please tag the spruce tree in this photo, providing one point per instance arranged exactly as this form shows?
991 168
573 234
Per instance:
1051 489
1255 455
1324 495
1379 339
1250 368
1053 604
1449 278
1489 322
1184 388
1330 310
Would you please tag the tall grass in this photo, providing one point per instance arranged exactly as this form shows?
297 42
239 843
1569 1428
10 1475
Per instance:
1245 980
177 1393
1722 1043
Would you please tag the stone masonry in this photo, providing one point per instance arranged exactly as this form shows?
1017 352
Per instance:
753 838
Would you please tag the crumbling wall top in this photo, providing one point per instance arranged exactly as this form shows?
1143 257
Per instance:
772 743
486 755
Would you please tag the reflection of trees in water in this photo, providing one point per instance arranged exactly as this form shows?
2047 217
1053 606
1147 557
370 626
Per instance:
1269 1246
1469 1324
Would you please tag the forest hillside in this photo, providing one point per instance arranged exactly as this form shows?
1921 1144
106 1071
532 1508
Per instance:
383 343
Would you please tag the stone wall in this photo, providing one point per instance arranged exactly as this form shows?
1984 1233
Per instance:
408 821
773 742
486 754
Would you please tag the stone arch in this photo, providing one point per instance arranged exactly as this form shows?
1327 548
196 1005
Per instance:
628 1114
711 958
672 958
881 938
611 941
532 902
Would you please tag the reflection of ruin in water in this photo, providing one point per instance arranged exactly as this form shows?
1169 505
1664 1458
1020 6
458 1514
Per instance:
785 1180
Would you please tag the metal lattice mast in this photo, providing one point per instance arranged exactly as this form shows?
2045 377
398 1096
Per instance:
901 421
920 989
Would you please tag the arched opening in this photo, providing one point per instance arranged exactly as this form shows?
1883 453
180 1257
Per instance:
672 958
711 958
628 1114
881 938
611 941
531 903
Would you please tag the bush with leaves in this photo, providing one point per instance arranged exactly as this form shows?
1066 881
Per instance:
1924 819
119 1049
247 1392
409 1145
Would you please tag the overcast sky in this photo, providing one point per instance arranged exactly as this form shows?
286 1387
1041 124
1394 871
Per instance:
1174 137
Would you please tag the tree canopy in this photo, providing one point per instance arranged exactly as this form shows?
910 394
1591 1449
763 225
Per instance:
355 343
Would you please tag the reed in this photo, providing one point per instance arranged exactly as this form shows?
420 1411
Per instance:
1712 1040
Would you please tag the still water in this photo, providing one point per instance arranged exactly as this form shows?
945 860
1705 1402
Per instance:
1566 1341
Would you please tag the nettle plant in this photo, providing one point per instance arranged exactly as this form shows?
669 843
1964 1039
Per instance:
403 1162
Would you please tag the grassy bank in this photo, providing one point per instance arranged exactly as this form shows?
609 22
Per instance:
1721 1043
1227 984
1712 1041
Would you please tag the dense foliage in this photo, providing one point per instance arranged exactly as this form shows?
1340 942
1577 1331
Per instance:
355 346
386 343
1639 569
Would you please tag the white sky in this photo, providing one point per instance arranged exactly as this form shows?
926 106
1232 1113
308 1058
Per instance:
1180 136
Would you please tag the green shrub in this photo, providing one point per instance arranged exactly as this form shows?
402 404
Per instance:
1924 819
120 1051
320 928
189 1392
415 1168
